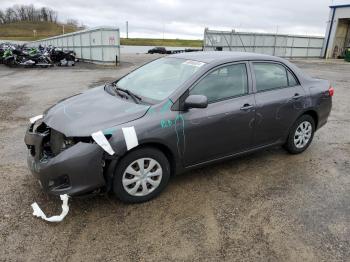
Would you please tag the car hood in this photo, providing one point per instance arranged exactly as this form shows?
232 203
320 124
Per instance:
91 111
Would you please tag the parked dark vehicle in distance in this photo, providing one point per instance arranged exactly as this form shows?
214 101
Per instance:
171 115
158 50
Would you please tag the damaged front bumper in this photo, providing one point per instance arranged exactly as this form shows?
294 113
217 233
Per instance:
76 170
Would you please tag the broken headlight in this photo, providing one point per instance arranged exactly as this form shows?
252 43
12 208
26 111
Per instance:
58 142
71 141
67 142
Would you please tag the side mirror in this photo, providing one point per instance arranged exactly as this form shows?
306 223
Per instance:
196 101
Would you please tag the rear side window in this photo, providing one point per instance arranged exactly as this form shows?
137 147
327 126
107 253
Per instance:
270 76
223 83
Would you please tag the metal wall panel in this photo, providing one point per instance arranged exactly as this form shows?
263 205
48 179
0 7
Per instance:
97 45
271 44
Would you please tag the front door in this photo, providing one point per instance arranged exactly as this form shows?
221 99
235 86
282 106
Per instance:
226 126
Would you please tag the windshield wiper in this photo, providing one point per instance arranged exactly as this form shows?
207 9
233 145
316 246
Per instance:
135 97
109 87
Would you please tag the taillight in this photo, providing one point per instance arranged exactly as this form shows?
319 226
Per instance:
331 91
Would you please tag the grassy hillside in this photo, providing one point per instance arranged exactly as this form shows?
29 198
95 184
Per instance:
161 42
24 30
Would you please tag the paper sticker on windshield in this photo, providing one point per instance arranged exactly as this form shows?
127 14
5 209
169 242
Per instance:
193 63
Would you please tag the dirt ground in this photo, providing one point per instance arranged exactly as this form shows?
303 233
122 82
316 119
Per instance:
268 206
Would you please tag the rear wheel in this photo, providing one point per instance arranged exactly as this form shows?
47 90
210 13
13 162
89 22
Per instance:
141 175
301 135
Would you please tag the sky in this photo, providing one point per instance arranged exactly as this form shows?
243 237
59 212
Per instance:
187 18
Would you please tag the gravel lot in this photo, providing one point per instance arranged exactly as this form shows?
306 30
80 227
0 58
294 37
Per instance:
268 206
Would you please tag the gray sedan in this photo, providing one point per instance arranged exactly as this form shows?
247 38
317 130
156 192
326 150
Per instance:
171 115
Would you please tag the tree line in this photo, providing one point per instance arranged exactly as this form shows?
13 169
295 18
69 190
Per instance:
19 13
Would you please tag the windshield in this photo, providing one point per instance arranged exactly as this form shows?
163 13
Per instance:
158 79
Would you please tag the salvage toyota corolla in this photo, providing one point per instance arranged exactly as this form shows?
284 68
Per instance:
170 115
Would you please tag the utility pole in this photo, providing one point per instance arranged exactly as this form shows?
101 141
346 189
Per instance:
63 29
127 29
34 33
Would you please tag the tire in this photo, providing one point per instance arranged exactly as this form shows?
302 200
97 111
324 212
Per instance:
154 161
296 144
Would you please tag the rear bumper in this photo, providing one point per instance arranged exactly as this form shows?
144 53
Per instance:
324 111
75 171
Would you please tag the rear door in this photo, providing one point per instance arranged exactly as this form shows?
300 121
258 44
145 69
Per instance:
226 126
279 101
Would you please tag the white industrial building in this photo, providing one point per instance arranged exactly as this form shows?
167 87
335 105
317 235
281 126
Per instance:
96 45
338 31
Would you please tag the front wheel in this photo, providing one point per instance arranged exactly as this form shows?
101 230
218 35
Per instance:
301 135
141 175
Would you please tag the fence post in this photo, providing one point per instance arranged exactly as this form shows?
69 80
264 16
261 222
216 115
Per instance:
204 39
228 45
81 47
308 46
73 38
274 45
90 47
285 46
102 46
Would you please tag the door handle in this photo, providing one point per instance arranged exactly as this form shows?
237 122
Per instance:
296 96
246 107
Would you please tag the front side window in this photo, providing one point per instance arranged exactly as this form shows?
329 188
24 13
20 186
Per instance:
291 79
225 82
158 79
270 76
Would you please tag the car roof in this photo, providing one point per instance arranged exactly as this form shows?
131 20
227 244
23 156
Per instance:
223 56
